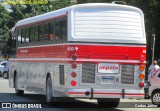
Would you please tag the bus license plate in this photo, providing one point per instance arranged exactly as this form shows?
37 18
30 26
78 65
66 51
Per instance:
108 80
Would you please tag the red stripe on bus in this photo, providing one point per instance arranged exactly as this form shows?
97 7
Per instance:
128 94
44 20
84 52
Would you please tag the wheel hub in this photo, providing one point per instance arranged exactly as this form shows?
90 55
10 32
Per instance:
156 98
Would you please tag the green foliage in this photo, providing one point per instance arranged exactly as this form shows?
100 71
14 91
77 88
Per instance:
24 11
4 19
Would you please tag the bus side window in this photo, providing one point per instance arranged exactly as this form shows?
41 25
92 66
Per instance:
46 32
64 29
36 34
27 35
23 36
58 30
61 29
52 31
19 37
41 32
13 44
31 34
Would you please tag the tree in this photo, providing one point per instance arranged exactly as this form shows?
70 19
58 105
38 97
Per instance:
20 11
4 18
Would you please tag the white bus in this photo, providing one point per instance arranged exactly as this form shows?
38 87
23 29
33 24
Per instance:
94 51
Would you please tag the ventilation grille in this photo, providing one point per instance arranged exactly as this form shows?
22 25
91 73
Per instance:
88 73
61 76
127 74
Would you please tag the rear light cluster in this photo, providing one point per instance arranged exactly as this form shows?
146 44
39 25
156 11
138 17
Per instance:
141 84
74 66
142 67
141 76
74 56
73 74
142 58
73 83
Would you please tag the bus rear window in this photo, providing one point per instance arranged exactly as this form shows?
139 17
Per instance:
108 23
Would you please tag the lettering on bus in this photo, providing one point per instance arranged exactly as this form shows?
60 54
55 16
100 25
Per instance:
72 48
24 51
108 67
144 51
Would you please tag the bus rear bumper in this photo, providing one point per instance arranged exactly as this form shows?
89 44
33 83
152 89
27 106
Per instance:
105 93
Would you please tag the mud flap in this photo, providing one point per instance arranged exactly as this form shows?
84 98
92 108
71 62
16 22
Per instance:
91 93
123 93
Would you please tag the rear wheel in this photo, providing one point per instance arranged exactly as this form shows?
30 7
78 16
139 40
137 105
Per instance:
108 102
49 96
156 98
18 92
5 75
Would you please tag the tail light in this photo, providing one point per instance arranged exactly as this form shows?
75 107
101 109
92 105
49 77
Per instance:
141 85
73 74
74 65
73 83
74 56
142 67
141 76
142 59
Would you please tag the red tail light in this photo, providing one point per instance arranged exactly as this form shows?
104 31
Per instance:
73 74
74 56
74 65
73 83
142 59
141 84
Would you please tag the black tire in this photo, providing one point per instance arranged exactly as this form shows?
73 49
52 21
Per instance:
108 102
49 97
5 75
146 93
17 91
156 98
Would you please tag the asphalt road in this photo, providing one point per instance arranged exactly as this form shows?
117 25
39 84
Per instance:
8 96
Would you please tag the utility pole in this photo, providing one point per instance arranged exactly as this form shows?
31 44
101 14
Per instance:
153 47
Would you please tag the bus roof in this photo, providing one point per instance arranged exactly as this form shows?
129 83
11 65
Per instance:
64 11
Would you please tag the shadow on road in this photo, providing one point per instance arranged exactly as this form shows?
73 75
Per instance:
68 103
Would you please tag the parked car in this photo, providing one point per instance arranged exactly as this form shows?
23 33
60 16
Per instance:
5 71
1 60
154 88
2 65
